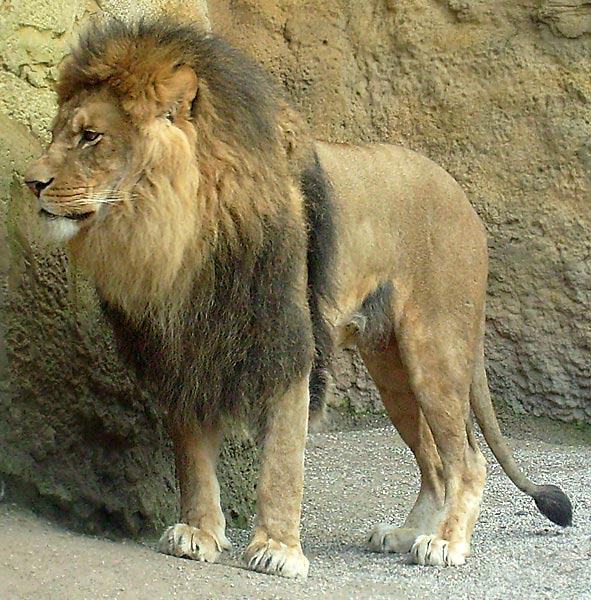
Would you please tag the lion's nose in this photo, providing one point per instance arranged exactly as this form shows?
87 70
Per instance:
37 187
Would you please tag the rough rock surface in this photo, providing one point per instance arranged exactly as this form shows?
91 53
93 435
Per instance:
79 439
498 92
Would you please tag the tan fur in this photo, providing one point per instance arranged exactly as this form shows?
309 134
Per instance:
201 532
168 182
154 211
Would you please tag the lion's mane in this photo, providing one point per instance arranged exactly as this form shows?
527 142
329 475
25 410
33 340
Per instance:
203 296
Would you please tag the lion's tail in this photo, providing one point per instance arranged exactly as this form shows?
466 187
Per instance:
551 501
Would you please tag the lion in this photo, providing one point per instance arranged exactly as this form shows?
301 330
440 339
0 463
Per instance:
233 255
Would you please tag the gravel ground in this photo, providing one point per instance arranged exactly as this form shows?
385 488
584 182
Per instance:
354 480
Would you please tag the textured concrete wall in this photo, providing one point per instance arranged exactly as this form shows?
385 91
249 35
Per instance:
497 92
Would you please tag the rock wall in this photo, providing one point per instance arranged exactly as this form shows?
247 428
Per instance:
497 92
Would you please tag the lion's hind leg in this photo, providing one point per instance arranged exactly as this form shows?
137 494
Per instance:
392 381
200 534
439 357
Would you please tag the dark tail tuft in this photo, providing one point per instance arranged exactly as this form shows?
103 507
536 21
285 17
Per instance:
553 503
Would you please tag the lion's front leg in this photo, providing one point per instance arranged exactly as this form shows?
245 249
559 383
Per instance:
200 534
275 546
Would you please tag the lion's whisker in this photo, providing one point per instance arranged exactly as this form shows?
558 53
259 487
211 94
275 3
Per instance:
97 198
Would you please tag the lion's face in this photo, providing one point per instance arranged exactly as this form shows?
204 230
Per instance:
81 177
151 167
111 151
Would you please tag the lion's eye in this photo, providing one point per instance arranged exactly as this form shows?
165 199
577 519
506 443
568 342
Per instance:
90 137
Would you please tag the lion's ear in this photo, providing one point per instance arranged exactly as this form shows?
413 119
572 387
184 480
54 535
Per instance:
177 93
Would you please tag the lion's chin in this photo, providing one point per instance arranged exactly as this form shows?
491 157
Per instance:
59 230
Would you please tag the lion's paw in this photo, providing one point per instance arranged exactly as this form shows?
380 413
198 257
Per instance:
387 538
432 550
185 541
276 558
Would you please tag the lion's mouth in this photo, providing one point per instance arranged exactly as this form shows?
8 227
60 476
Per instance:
74 217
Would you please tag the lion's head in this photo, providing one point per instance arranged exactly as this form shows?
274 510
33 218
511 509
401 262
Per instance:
123 126
166 143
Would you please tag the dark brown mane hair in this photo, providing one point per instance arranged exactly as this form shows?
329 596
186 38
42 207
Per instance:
124 55
225 341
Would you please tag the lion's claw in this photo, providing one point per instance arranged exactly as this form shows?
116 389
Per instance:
388 538
432 550
186 541
276 558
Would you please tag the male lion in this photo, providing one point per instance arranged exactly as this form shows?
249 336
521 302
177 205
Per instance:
231 252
